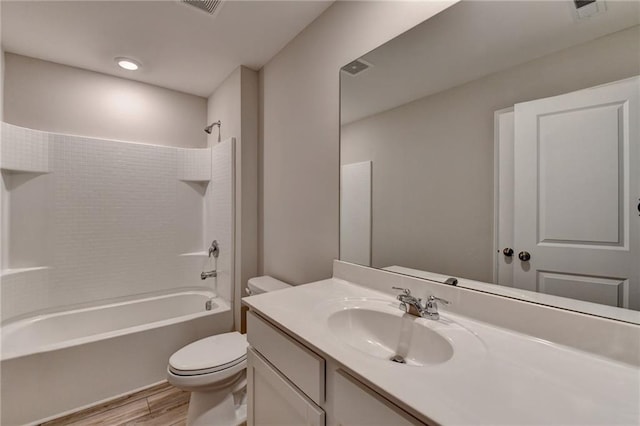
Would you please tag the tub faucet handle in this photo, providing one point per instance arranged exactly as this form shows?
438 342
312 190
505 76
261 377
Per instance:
214 250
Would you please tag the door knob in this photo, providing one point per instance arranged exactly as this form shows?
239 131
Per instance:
524 256
508 251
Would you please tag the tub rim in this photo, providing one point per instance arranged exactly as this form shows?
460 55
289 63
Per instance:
222 306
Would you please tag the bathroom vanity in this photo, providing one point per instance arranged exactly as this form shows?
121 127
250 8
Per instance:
289 383
320 355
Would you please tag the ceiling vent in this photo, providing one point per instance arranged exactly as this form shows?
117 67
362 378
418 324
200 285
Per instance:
356 67
584 9
208 6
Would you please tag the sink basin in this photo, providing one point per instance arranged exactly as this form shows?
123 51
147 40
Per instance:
390 335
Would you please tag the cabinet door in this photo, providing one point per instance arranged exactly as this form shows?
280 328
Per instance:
275 401
357 405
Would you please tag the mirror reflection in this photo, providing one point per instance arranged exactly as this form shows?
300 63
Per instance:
505 153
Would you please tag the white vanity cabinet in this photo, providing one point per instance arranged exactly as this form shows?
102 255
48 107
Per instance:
355 404
289 384
273 400
285 380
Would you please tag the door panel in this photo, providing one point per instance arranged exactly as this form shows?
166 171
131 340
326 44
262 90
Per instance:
357 405
581 155
576 162
608 291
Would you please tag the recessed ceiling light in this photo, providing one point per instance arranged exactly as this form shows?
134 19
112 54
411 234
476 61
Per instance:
128 64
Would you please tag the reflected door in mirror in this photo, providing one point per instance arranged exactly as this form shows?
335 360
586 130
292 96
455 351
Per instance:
576 177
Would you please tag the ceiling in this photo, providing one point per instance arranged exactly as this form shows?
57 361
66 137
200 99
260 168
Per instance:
470 40
179 46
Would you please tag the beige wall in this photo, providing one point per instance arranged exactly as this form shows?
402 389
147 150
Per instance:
1 84
300 131
56 98
224 105
1 71
235 104
433 158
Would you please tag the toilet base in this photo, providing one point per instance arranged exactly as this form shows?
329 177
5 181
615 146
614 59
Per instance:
224 407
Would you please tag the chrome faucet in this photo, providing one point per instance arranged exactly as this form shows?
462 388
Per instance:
210 274
409 303
214 251
413 305
431 307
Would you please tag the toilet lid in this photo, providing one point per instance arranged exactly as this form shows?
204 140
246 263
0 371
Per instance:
211 354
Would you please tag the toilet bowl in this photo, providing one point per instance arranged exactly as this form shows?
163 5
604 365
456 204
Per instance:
213 369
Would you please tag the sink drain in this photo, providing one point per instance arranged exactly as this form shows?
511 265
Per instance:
397 358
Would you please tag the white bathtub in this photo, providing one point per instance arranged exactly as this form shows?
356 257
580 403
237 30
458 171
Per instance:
58 362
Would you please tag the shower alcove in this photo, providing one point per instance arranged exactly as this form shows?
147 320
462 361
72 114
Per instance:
103 243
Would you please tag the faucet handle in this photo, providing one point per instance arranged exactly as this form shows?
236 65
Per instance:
406 291
434 298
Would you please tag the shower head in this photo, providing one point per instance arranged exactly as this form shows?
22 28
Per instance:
210 126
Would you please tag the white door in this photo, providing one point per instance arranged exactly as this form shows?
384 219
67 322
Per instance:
355 213
503 197
576 195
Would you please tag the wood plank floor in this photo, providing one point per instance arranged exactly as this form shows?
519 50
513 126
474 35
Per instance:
161 405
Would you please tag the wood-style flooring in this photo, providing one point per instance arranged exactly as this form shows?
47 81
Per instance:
161 405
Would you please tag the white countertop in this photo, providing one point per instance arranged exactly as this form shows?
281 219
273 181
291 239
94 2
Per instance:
513 379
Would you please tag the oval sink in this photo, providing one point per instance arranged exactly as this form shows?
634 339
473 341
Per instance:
385 335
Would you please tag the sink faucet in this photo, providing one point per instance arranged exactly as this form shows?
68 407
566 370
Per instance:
413 305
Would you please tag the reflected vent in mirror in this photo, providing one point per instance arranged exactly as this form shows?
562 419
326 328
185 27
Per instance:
588 8
356 67
208 6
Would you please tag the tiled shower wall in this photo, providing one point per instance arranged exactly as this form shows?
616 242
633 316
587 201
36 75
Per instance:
86 220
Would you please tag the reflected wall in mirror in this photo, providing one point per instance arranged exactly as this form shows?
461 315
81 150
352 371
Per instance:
495 126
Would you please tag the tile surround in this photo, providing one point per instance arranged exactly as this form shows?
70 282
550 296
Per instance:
194 164
219 223
113 218
24 149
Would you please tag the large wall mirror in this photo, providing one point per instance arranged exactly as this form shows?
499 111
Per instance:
498 143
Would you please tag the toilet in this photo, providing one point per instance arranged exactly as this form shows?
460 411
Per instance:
213 369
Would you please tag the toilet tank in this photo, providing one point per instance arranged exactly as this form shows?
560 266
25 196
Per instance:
264 284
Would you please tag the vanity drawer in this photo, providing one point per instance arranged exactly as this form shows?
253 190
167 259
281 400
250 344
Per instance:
300 365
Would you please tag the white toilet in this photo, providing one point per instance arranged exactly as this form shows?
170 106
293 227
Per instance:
213 369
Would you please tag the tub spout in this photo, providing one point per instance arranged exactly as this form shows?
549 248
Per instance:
210 274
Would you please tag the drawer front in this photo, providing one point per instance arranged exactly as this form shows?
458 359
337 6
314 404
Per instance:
273 400
300 365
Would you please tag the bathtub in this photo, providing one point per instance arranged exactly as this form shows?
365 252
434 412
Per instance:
58 362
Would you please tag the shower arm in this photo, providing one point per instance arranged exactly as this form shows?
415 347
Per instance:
209 128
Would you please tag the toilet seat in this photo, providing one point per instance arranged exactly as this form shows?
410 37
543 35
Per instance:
207 370
210 355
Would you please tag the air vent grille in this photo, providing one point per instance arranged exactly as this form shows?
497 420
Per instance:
208 6
355 67
584 9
